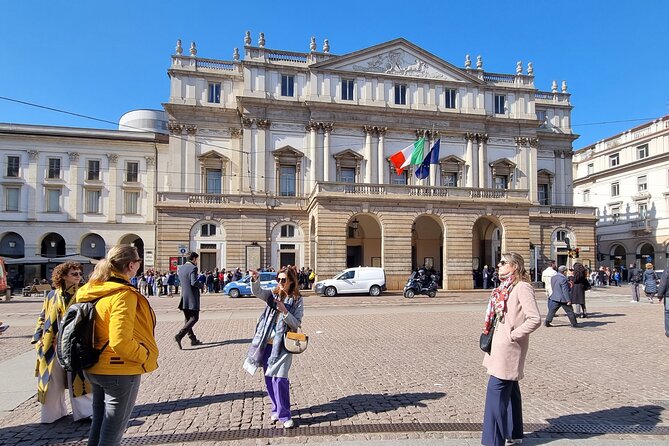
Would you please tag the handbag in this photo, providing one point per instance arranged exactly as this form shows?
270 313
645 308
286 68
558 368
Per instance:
485 341
295 342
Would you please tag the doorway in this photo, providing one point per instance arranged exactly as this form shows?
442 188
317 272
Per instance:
207 261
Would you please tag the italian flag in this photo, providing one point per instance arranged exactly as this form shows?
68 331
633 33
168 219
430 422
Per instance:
412 154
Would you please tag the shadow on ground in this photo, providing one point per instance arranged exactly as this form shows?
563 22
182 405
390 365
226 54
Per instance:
143 410
219 344
350 406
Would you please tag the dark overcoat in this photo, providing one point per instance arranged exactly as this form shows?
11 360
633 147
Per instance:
190 287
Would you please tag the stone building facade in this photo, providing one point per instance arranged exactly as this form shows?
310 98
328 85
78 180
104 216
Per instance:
281 157
626 177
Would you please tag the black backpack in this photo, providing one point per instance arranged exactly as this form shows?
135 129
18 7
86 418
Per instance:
635 277
75 345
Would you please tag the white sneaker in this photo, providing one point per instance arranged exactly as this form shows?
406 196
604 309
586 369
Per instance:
274 417
288 424
634 301
509 442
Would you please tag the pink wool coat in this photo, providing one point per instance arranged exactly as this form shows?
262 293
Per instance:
512 336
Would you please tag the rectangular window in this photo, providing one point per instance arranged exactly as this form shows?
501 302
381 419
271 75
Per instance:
132 172
213 181
642 152
13 163
500 182
53 200
449 179
347 175
93 171
615 189
642 183
450 98
287 231
401 179
287 85
615 214
591 169
287 181
347 86
544 195
54 168
92 201
214 95
586 196
12 195
131 203
541 116
643 210
400 94
500 104
614 160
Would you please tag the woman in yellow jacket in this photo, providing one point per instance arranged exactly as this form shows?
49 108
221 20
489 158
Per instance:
52 380
125 319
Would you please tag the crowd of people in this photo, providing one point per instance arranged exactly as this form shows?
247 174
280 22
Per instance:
125 322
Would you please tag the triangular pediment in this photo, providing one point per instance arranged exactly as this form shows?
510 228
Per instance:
213 155
348 154
452 159
398 57
287 151
503 162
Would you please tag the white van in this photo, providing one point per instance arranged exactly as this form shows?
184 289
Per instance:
363 279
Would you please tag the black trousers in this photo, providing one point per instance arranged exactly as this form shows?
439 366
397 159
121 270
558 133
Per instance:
191 316
553 306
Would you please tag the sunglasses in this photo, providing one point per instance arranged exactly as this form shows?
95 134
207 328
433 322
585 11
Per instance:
75 273
282 279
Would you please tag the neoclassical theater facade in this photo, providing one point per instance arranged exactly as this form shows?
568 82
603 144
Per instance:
280 157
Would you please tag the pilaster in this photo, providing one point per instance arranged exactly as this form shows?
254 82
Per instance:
244 160
192 166
483 160
369 130
469 159
327 130
33 156
312 128
263 171
113 187
75 191
150 213
380 157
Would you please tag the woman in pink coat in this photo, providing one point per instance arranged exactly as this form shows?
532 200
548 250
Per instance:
513 306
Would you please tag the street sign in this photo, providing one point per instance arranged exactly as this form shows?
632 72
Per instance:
182 250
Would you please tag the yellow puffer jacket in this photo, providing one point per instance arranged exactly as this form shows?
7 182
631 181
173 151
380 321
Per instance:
125 319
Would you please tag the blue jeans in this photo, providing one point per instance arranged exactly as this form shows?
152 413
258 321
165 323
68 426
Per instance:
113 400
503 414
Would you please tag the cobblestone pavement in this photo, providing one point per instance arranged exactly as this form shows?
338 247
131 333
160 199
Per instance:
383 369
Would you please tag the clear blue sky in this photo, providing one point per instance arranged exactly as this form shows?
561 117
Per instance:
104 58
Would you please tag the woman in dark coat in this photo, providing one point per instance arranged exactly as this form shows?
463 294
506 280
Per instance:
580 285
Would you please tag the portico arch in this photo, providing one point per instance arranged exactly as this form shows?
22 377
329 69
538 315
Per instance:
487 245
427 235
363 241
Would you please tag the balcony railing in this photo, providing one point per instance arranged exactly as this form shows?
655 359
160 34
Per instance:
564 210
417 191
641 224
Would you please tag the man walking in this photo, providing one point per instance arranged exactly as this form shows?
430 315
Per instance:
663 295
560 297
546 279
190 298
635 281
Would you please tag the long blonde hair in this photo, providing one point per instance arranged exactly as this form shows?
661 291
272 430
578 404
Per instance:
521 274
117 260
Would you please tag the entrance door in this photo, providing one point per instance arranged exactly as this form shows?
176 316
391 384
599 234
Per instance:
286 258
207 261
353 256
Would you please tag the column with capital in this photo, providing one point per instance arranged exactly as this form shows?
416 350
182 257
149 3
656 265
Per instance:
233 172
262 171
151 166
520 179
192 166
475 161
74 192
33 156
368 154
483 160
113 188
559 186
532 169
568 192
246 149
327 130
469 157
380 155
176 182
312 128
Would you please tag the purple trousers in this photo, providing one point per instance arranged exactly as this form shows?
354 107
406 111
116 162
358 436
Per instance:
278 390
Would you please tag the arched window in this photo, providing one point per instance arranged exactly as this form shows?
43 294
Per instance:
287 231
208 230
560 235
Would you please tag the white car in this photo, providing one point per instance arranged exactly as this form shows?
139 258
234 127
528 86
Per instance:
363 279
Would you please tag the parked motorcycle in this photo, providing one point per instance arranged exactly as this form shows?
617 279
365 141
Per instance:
418 283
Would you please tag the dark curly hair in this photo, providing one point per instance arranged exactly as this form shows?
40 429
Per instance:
62 270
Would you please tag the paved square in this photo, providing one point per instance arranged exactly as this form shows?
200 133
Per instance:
379 368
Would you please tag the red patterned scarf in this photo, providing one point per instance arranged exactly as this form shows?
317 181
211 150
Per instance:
497 303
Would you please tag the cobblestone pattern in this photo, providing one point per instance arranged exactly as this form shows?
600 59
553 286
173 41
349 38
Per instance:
398 367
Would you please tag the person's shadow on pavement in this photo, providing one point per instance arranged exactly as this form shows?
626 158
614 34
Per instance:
218 344
352 405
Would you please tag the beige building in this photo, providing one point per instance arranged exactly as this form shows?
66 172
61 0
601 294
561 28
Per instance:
75 191
626 177
282 157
